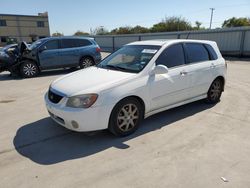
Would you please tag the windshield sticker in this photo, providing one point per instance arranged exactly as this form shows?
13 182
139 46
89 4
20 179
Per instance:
149 51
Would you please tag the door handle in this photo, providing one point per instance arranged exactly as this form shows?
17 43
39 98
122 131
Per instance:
183 73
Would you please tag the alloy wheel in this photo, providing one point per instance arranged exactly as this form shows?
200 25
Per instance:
127 117
29 69
86 63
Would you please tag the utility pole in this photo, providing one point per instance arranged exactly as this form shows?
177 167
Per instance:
211 19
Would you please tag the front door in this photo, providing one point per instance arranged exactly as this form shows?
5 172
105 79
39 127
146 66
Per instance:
174 86
48 54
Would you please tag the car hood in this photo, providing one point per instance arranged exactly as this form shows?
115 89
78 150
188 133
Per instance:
90 80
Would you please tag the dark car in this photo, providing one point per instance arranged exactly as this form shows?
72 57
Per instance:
56 52
8 57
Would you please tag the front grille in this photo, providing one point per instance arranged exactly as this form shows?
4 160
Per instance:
53 97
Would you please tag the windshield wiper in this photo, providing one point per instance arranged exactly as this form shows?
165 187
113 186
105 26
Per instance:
116 67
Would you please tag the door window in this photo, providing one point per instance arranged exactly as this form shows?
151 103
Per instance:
51 45
196 52
69 43
83 42
173 56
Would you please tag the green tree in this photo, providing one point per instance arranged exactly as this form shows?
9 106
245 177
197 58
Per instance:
197 25
57 34
122 30
172 24
140 29
81 33
99 31
236 22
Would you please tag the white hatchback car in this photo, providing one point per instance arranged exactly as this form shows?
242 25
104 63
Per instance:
135 82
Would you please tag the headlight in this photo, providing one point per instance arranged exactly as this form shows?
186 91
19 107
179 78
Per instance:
82 101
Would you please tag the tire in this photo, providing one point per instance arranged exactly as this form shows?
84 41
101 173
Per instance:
86 62
29 69
126 117
215 91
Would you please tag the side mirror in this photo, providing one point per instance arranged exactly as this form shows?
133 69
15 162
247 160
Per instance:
159 69
43 48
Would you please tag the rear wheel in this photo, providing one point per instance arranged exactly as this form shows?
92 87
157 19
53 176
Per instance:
86 62
29 69
126 117
215 91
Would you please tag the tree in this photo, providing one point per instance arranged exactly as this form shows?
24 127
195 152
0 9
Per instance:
236 22
57 34
198 25
122 30
172 24
140 29
81 33
99 31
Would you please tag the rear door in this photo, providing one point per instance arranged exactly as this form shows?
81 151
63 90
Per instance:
172 87
201 68
48 54
69 52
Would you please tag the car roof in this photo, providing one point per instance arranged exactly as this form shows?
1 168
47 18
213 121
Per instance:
69 37
161 42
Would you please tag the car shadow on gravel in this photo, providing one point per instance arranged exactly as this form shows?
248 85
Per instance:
46 143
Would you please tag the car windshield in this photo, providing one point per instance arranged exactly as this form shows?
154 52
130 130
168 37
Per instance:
130 58
36 44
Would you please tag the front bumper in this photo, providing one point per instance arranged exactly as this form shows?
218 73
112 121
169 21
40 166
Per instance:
80 120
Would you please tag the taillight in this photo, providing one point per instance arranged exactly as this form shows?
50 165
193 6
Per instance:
98 49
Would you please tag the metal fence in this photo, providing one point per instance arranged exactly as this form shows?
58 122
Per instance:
231 41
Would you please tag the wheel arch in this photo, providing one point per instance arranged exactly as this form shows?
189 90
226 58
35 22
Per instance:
222 79
87 56
139 99
32 60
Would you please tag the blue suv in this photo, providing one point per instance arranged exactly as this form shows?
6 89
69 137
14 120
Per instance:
57 52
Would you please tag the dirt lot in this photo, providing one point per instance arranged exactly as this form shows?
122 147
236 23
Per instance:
190 146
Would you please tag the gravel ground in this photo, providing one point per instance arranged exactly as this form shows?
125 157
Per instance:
189 146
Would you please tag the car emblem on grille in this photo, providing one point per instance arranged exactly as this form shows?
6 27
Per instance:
51 96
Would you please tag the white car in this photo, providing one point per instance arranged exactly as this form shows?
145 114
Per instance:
135 82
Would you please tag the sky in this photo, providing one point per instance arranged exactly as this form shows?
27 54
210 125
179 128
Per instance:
68 17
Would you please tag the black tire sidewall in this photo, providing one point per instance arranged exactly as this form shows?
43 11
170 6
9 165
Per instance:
113 118
22 72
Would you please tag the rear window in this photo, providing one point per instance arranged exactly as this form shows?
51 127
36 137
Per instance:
196 52
84 42
212 53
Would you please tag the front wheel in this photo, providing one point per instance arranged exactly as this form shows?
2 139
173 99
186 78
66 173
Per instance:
86 62
215 91
29 69
126 117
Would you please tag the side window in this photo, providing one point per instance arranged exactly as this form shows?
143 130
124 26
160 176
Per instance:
212 53
70 43
51 45
196 52
172 56
84 42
